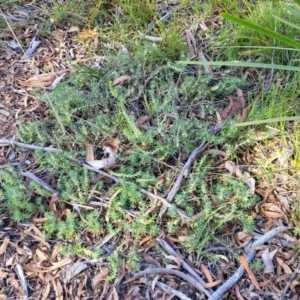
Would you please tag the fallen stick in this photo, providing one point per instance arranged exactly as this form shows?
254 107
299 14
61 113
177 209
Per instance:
185 265
185 277
296 271
178 294
217 295
105 174
182 175
150 38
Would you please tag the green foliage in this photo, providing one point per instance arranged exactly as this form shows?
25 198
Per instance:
272 34
76 248
215 217
256 265
91 110
115 261
133 261
20 202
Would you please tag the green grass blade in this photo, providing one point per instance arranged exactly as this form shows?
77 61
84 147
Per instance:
262 30
287 23
241 64
291 10
274 120
297 2
253 51
264 48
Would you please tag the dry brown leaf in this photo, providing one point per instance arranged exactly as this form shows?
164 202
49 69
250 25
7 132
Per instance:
73 29
86 34
150 259
203 26
141 120
230 166
16 286
10 261
58 289
89 152
114 144
238 294
272 214
184 238
3 275
108 162
236 106
59 34
176 259
146 239
271 210
98 58
114 293
284 266
73 271
56 265
40 255
100 277
215 152
110 149
233 169
46 291
212 284
132 293
121 80
290 238
42 80
245 115
239 103
226 111
4 245
264 283
249 271
206 272
267 258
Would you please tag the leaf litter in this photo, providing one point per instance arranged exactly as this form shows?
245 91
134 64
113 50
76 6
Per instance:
64 278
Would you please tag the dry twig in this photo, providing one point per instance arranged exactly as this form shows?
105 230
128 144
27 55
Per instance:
185 277
178 294
105 174
185 265
238 274
182 175
296 271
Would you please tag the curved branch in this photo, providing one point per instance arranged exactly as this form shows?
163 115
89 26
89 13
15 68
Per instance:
217 295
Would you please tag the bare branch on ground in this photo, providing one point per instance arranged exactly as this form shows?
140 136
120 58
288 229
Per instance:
178 294
154 271
296 271
182 175
105 174
185 265
238 274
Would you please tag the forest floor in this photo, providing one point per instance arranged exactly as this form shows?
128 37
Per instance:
125 174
